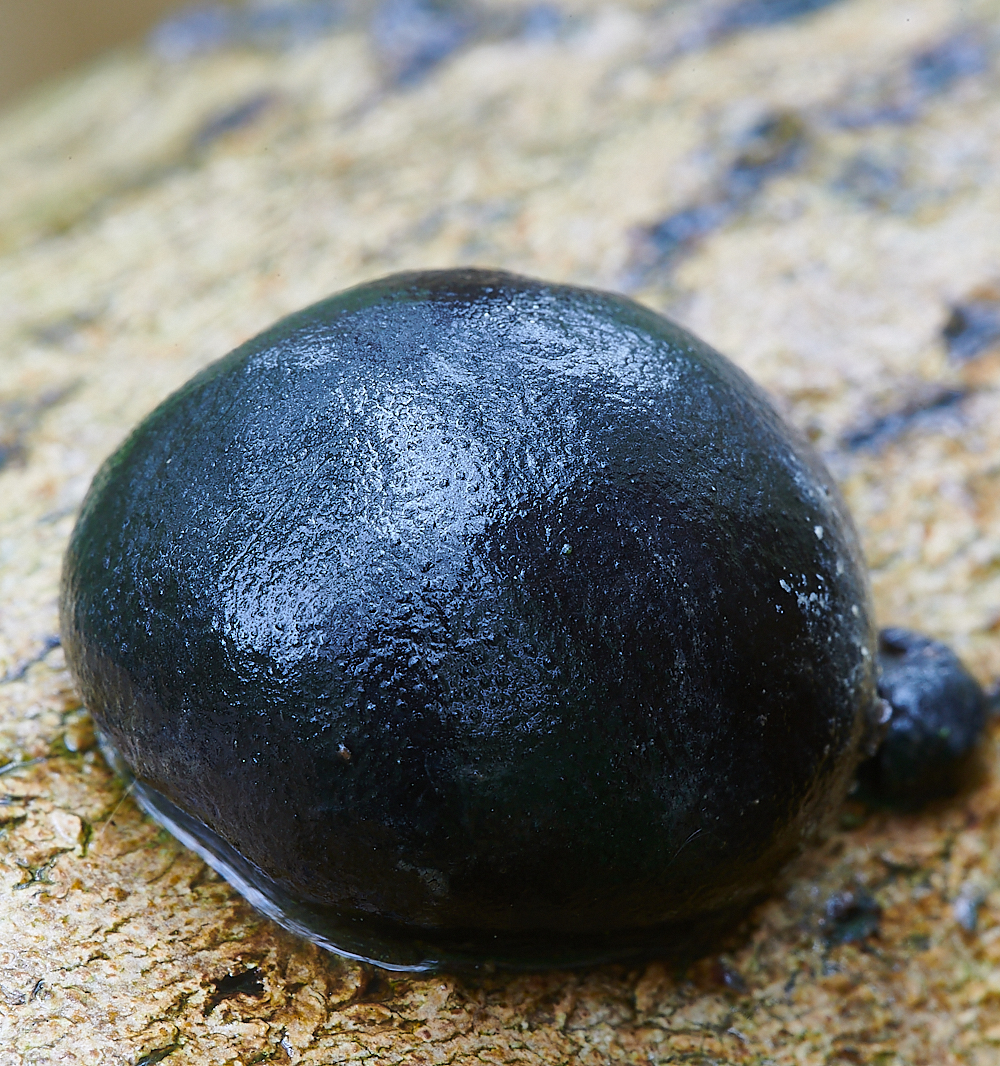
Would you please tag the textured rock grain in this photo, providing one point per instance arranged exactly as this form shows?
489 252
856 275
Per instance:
813 196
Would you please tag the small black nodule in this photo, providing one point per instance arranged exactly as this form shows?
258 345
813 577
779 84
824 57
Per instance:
938 717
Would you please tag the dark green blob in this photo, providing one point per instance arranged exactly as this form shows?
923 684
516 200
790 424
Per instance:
463 618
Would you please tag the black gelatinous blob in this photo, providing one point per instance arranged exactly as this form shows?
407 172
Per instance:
463 618
938 717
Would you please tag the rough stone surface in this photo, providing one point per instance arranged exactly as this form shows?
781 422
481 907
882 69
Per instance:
814 188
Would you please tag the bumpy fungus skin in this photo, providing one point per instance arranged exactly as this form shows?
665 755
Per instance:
938 718
463 618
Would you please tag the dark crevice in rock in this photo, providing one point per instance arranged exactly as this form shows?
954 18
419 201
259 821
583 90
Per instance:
774 146
921 411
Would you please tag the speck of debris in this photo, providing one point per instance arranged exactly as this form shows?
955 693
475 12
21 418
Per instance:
774 146
729 977
156 1055
973 327
246 983
966 907
873 182
231 119
849 917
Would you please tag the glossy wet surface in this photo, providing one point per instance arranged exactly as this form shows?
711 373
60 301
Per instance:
492 615
129 264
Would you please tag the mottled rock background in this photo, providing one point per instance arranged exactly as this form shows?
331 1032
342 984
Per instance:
811 185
